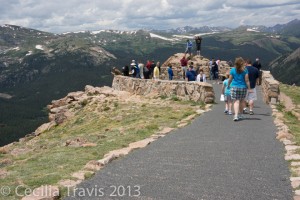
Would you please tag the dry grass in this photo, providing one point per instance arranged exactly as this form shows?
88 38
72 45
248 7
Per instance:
49 158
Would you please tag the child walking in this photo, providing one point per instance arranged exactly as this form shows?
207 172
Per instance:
227 97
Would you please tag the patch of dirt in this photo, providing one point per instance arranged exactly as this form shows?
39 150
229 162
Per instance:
3 173
287 101
289 105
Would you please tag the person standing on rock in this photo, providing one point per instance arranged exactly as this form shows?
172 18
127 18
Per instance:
189 46
198 41
183 63
239 82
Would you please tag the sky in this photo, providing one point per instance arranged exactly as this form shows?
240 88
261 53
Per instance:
59 16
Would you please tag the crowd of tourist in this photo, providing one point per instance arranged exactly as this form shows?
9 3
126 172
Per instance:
239 86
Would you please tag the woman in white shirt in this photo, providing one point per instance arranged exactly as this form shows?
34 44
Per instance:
201 76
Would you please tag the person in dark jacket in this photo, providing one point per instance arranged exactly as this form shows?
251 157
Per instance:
253 75
152 68
125 70
198 40
214 69
191 74
257 65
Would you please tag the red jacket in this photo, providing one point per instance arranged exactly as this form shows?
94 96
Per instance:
148 65
184 62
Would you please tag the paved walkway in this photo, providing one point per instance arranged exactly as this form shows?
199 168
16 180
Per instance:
213 158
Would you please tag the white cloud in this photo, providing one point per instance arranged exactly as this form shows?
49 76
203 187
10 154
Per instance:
74 15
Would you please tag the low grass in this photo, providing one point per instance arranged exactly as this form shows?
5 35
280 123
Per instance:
289 118
47 159
292 91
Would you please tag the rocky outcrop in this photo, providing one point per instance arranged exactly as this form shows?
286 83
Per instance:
202 63
194 91
270 88
65 108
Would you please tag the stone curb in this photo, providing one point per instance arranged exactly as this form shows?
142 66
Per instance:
283 134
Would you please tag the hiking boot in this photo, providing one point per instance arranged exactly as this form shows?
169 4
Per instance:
251 112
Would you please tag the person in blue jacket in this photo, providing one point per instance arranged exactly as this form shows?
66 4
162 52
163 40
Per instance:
191 74
170 72
189 46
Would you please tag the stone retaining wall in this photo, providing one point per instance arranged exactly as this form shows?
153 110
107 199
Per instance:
270 88
194 91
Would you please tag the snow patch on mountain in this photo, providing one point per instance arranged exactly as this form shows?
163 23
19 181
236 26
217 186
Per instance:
29 53
40 47
16 48
160 37
252 30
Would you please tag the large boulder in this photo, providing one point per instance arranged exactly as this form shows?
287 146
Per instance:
199 61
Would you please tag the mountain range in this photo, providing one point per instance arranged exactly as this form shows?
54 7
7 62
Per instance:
288 61
37 67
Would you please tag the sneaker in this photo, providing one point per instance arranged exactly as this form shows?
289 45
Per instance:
245 111
229 113
235 119
225 111
241 117
251 112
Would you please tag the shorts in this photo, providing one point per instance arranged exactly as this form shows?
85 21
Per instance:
188 50
238 93
227 97
251 95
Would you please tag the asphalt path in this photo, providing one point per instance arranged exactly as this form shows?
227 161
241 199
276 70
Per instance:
212 158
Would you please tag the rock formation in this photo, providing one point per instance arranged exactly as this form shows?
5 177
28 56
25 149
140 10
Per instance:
203 63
